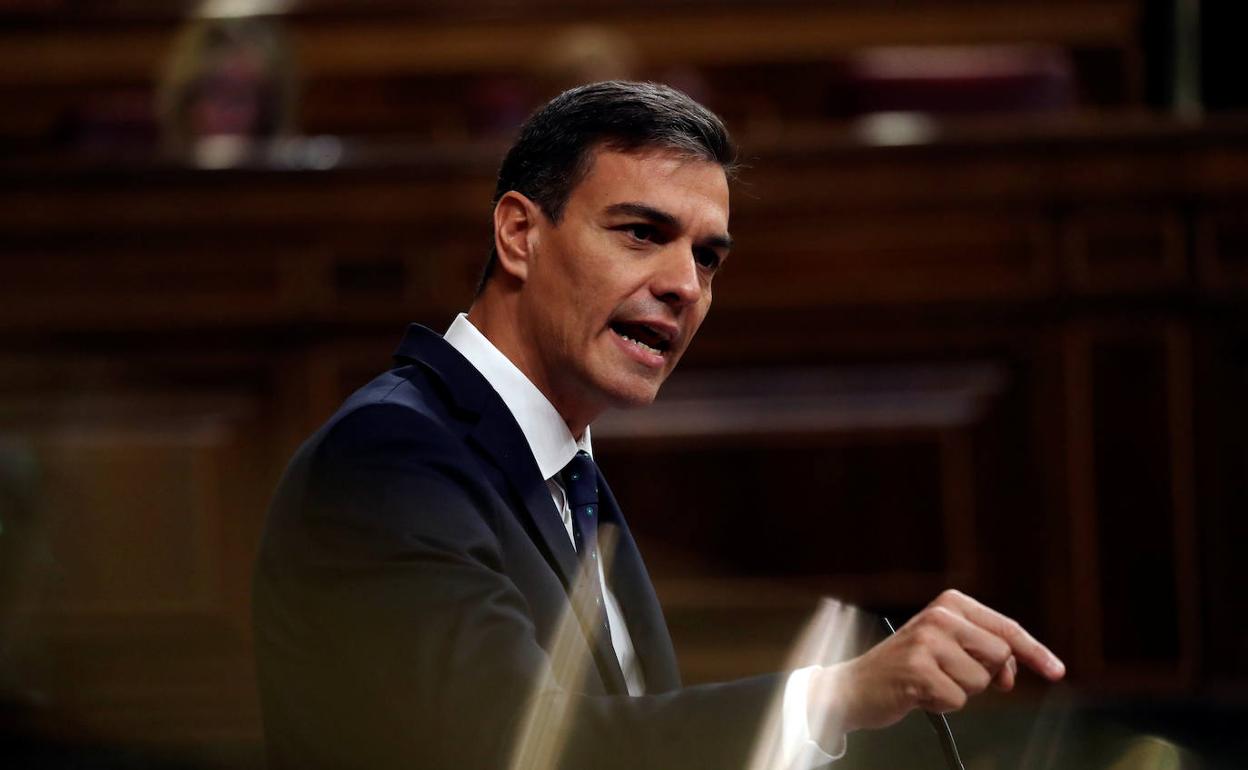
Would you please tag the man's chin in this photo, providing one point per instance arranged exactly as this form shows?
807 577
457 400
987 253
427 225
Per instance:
633 395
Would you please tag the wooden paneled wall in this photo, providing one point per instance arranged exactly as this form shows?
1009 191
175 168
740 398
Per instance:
1016 363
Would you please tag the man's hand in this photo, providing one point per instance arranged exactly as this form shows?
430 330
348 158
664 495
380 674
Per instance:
953 649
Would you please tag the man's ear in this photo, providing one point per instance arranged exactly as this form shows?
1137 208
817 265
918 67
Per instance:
516 219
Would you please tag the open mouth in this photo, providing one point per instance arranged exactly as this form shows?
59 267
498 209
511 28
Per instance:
645 337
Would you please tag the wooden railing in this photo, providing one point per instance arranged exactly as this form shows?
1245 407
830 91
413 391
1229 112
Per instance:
420 68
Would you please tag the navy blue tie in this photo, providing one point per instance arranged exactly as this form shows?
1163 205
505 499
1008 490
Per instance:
580 482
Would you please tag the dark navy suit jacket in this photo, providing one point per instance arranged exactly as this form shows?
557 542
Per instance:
411 576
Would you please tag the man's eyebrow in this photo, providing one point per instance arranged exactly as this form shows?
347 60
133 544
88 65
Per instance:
642 211
664 219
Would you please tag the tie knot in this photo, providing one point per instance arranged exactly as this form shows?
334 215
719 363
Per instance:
580 480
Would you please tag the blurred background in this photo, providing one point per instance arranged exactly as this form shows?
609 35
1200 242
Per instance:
989 297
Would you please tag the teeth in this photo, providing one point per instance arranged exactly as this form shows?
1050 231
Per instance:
642 345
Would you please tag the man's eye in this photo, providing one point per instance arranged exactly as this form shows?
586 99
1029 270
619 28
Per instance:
707 258
640 232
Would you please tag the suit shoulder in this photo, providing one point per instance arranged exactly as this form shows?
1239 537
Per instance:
396 407
391 457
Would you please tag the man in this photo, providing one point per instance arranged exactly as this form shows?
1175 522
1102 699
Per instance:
423 545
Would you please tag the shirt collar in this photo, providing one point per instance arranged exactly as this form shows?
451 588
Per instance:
545 431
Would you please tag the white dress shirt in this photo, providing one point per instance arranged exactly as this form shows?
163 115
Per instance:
553 446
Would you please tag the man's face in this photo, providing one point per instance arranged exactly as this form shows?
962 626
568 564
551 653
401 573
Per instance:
616 290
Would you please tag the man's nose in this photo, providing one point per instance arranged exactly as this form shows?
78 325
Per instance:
677 281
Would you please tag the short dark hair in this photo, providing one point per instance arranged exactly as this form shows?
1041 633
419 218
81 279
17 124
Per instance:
555 148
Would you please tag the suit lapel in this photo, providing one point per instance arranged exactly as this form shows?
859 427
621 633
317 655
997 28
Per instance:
497 437
631 584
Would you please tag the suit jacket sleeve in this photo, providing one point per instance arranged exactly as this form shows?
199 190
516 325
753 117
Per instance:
391 631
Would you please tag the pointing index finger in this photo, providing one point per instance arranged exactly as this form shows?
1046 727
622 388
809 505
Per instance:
1025 647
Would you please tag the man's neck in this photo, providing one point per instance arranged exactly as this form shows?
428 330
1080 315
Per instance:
505 335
